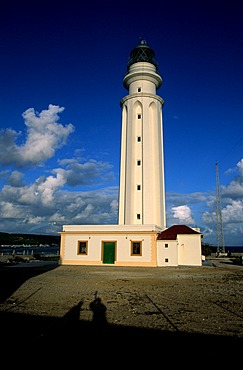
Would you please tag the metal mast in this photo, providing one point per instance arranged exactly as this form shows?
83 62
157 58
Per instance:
219 222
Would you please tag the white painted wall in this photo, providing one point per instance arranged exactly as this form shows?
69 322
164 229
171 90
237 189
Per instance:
170 253
189 250
186 250
123 239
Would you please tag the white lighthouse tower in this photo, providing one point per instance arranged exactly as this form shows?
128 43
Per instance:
142 188
140 238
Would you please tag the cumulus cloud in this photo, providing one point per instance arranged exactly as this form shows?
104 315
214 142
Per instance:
86 173
183 215
240 167
16 179
43 137
44 207
233 212
42 203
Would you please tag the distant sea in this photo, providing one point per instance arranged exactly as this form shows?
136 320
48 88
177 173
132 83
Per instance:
233 249
30 250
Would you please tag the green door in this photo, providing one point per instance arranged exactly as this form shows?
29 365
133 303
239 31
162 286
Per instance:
109 252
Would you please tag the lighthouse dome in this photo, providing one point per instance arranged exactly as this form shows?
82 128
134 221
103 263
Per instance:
142 53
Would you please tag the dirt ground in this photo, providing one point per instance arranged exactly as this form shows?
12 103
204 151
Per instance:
48 303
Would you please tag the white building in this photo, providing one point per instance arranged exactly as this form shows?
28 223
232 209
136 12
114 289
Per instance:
138 239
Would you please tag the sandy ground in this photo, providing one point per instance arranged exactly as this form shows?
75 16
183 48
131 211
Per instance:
46 304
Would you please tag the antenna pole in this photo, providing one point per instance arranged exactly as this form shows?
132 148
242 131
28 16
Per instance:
219 222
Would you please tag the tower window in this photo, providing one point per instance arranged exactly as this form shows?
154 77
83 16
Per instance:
139 116
166 245
139 162
139 138
138 187
139 89
136 249
166 259
138 216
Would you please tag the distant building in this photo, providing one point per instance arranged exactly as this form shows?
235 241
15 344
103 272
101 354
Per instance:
141 237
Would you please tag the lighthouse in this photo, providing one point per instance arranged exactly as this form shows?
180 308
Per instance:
142 184
140 238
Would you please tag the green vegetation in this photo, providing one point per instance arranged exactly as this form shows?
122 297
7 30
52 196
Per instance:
208 249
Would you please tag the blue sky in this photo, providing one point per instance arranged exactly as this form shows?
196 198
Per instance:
61 72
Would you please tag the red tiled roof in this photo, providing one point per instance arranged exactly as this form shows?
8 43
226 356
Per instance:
172 232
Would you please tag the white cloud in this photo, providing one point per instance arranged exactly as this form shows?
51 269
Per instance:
10 210
209 218
16 179
35 220
233 212
44 136
240 167
183 214
85 173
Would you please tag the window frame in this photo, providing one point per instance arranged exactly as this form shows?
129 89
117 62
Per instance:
79 248
133 242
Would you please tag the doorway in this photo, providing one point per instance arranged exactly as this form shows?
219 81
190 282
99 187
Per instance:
109 252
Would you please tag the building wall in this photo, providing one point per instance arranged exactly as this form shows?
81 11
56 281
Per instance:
69 248
186 250
189 249
167 253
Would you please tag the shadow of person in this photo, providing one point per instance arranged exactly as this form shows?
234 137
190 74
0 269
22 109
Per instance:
99 312
74 312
